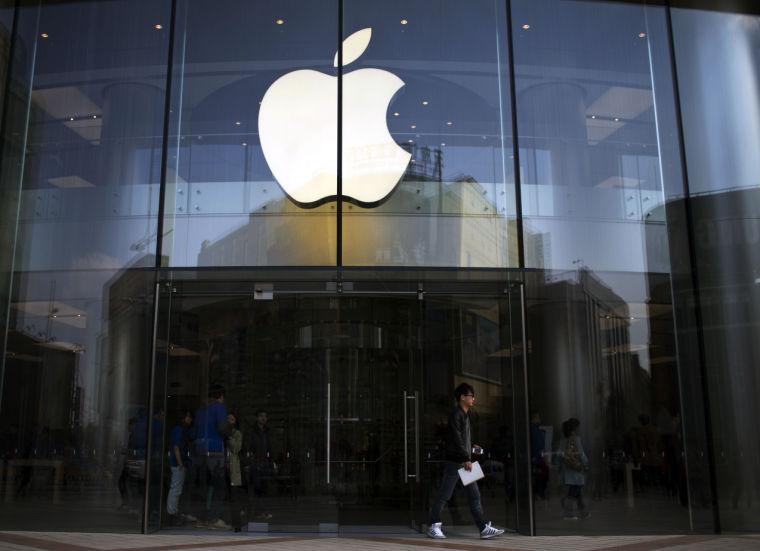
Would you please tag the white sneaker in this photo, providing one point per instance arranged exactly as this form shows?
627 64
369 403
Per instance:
219 524
490 532
435 531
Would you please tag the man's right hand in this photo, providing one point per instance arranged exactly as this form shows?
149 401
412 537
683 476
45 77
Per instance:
467 465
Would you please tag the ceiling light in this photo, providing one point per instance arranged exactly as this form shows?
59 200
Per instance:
526 27
395 114
411 141
593 116
45 35
404 21
449 123
244 144
280 21
94 116
413 126
642 35
71 118
443 144
158 26
237 123
424 102
616 119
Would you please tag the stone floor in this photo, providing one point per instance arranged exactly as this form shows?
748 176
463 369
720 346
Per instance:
62 541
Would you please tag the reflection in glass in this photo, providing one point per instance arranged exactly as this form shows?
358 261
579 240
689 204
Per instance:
718 60
454 205
87 113
223 204
592 189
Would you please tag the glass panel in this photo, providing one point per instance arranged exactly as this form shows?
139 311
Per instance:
88 117
590 154
253 135
467 340
718 60
602 350
436 188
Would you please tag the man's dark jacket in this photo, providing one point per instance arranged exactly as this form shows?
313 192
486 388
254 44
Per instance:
456 441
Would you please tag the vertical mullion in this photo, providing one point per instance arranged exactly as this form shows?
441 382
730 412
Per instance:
515 144
339 168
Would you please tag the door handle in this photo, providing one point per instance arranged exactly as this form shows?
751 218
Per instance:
416 474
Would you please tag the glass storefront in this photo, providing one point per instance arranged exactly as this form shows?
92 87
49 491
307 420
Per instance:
321 217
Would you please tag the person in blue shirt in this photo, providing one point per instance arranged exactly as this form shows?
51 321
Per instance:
209 464
179 462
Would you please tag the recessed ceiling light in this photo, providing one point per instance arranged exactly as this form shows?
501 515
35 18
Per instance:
616 119
424 102
449 123
404 21
244 143
71 118
443 144
94 116
411 141
45 35
642 35
280 21
413 126
237 123
526 27
593 116
158 26
395 114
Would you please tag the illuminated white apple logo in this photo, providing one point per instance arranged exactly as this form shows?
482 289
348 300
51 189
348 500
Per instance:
299 135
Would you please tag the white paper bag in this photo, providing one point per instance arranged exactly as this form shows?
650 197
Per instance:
468 477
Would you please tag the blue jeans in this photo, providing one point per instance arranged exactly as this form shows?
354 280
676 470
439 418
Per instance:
448 483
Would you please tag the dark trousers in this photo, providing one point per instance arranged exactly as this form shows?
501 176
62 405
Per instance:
574 493
449 481
211 480
238 506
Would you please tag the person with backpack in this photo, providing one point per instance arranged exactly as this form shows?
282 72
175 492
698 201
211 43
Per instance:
573 467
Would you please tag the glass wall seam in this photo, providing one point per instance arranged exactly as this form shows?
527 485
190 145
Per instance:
515 141
696 291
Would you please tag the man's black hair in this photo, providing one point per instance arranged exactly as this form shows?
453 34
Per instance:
216 392
463 389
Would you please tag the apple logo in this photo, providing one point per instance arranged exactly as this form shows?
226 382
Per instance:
299 135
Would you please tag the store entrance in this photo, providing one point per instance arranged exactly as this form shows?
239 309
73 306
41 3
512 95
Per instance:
341 400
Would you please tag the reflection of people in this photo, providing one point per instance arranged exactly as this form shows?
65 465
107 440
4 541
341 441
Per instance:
234 445
209 459
179 462
262 464
459 450
574 465
539 468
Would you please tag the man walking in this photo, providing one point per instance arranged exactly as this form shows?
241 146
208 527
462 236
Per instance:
459 451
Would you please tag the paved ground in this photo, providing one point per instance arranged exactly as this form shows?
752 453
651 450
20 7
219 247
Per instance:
46 541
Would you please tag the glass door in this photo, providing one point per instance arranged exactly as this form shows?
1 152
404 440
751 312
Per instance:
341 400
477 339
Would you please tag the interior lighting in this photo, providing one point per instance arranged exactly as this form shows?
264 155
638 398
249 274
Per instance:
404 21
237 123
413 126
280 21
158 26
71 118
443 144
526 27
411 141
395 114
642 35
244 144
616 119
593 116
424 102
449 123
94 116
45 35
